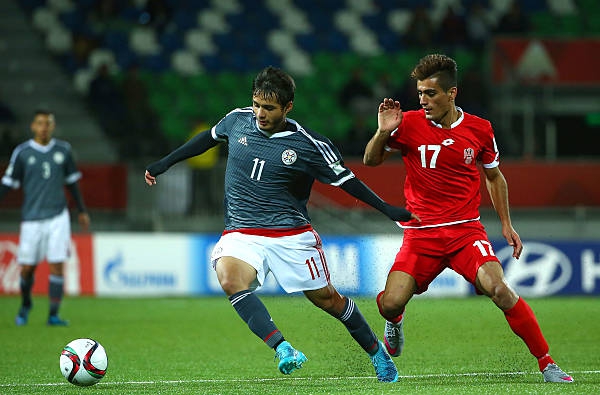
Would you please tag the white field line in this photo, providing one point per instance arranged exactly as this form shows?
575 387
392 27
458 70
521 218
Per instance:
271 379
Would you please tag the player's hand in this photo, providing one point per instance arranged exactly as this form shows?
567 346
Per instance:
514 240
150 180
400 214
389 115
84 221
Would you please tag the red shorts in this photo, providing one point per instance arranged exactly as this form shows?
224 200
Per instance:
425 253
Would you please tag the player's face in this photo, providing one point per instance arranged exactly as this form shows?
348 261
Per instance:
42 128
436 102
269 113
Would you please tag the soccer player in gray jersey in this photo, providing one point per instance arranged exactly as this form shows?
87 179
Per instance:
271 166
42 166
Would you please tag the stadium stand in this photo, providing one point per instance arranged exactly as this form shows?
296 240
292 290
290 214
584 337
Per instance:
187 50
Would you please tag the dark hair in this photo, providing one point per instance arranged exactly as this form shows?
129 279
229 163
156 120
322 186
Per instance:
274 83
437 66
41 111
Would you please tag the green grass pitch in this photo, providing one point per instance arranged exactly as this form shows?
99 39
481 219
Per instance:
200 346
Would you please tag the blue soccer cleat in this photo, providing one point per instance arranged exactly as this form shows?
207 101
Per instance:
22 316
54 320
290 359
384 366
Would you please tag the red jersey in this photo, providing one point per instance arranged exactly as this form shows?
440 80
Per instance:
442 177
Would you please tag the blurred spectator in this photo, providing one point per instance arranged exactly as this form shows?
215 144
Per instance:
356 95
479 26
142 119
108 106
7 116
356 139
420 32
514 21
384 87
473 92
8 120
452 31
158 14
7 142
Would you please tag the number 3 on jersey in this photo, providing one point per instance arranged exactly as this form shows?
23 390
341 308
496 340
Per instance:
435 151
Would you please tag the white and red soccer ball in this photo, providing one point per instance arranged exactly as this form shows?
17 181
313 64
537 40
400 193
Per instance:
83 362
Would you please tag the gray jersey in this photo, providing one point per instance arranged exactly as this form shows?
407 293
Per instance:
268 179
42 171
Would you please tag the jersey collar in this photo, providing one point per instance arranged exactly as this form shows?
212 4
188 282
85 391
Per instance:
42 148
291 128
455 124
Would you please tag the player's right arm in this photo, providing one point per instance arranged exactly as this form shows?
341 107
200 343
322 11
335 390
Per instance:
389 116
197 145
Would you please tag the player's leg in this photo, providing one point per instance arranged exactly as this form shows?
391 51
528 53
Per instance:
26 281
57 244
56 293
391 302
521 319
241 264
29 254
344 309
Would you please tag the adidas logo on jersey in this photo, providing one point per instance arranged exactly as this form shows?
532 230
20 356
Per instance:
242 140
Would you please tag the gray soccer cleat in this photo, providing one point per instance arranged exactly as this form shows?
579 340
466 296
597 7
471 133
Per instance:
394 337
553 374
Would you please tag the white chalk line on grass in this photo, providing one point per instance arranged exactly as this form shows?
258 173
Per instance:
270 379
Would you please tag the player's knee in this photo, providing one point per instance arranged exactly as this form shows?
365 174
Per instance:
503 295
392 305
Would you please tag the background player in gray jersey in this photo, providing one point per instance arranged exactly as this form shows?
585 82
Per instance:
42 166
271 166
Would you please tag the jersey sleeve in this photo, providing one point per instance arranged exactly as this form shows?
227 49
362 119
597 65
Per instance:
489 156
14 172
327 163
72 175
221 130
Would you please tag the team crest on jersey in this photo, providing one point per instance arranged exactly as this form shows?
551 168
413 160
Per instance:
59 158
289 156
31 160
469 155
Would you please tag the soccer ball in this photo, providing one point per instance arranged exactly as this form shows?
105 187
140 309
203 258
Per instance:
83 362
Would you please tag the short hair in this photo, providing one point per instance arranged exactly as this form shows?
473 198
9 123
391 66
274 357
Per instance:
274 83
42 111
437 66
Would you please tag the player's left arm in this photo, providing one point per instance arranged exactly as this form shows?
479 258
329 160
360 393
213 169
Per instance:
359 190
83 217
200 143
498 190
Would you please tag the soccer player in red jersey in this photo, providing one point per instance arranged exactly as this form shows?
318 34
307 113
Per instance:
441 146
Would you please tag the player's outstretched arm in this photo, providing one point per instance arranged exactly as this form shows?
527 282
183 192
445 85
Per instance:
389 116
359 190
197 145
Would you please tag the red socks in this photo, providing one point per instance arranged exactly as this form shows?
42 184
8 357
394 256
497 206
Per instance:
394 320
523 323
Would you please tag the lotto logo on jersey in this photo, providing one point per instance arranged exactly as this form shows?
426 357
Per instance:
289 156
469 155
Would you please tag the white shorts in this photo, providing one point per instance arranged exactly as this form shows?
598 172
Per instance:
297 262
47 238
